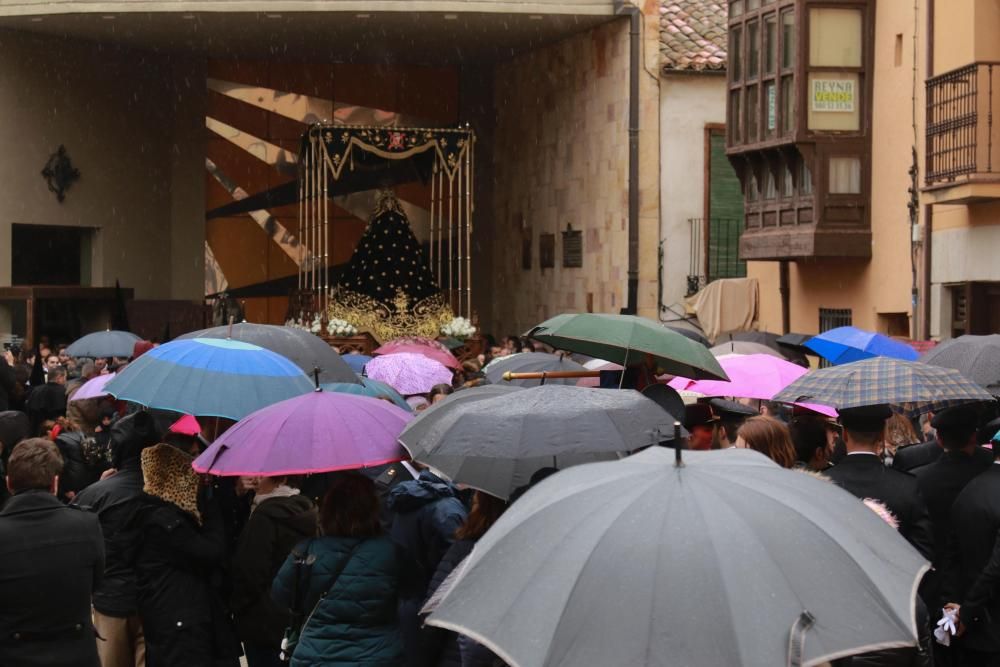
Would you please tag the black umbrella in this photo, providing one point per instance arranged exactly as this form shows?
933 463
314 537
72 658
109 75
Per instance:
768 339
687 332
975 357
796 342
297 345
531 362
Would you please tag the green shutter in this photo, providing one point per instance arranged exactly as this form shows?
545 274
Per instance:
726 215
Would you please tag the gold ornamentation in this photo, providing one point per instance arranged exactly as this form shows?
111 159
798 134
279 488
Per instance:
424 318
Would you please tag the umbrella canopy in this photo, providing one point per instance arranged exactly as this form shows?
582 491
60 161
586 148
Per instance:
422 346
305 350
408 373
104 344
93 388
371 388
759 376
793 352
186 425
317 432
975 357
846 344
494 441
744 347
531 362
909 386
356 362
211 377
691 334
627 340
620 563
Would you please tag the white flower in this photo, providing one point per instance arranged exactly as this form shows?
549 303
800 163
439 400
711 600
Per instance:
341 328
459 327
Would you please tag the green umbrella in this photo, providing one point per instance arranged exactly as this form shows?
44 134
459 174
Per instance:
626 340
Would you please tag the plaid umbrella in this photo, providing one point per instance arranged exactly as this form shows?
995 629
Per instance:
909 386
976 357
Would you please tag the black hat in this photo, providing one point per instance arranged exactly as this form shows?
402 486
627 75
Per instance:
667 398
731 410
698 414
964 417
865 419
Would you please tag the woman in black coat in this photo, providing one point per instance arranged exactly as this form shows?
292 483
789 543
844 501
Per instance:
178 554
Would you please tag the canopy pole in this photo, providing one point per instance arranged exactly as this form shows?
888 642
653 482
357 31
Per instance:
552 375
468 228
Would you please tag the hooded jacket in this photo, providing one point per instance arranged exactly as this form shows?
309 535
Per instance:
114 500
275 526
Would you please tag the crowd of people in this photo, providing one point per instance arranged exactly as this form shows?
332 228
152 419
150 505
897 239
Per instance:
117 553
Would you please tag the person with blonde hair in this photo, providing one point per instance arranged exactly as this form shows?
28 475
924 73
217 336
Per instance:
768 436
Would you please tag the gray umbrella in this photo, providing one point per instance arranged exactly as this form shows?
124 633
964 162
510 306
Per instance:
104 345
302 348
975 357
744 347
727 559
531 362
494 438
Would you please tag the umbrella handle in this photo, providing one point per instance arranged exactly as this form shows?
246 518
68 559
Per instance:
797 638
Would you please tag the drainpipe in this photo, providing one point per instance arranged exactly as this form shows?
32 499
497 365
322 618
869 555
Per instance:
623 8
784 291
925 287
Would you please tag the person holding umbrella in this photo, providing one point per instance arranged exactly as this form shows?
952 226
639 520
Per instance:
862 473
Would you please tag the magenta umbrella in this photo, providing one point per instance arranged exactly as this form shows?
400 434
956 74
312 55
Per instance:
318 432
408 373
759 376
93 388
424 347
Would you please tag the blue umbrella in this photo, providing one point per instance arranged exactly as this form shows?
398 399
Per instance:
846 344
356 361
209 377
369 387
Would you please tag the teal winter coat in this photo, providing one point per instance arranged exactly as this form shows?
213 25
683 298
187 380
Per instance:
354 622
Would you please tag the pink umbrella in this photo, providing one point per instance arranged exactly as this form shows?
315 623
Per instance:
426 347
759 376
318 432
186 425
408 373
93 388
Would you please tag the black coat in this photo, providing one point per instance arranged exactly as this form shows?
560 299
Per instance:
274 528
972 565
910 457
47 401
7 384
52 557
864 476
83 462
174 566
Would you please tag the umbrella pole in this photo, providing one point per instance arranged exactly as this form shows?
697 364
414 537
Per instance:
679 445
552 375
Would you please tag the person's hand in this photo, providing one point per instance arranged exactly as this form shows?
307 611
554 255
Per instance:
108 473
8 357
957 610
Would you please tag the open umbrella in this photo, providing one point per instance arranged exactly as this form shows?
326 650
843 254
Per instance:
628 340
688 332
356 362
495 443
531 362
371 388
744 347
408 373
211 377
104 344
318 432
909 386
975 357
793 353
759 376
422 346
621 563
305 350
846 344
93 388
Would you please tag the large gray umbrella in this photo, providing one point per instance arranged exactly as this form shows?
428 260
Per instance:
744 347
494 438
302 348
104 345
975 357
725 560
531 362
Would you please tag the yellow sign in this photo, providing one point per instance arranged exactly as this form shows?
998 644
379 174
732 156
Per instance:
836 95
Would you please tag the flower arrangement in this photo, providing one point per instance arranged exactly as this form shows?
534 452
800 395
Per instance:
296 323
341 328
460 328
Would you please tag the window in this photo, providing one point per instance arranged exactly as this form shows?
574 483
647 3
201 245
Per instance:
845 175
50 255
805 179
735 117
831 318
771 106
787 184
735 8
752 5
835 38
735 53
753 120
770 191
770 43
752 188
753 50
787 40
833 101
787 104
836 46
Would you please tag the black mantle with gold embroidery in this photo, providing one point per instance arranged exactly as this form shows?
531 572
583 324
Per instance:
387 288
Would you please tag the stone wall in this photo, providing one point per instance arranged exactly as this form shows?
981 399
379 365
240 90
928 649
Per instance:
561 159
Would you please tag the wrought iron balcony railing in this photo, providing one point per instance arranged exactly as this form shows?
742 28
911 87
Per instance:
960 142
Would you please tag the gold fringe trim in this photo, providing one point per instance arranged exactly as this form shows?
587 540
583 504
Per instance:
424 318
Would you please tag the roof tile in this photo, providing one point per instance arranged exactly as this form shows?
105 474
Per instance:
693 35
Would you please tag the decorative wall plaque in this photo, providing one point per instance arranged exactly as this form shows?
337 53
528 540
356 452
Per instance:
572 248
546 250
60 173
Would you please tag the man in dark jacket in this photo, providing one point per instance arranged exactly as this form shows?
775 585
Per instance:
47 401
862 473
911 457
7 380
116 612
14 427
941 482
52 557
972 567
427 512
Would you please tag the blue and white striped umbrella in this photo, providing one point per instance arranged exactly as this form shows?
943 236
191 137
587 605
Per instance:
210 377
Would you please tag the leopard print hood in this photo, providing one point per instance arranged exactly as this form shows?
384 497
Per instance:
168 475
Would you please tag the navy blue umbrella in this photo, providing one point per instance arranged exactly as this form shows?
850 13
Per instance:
209 377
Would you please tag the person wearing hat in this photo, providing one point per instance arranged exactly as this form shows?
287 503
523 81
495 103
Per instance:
863 474
731 417
700 422
941 482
